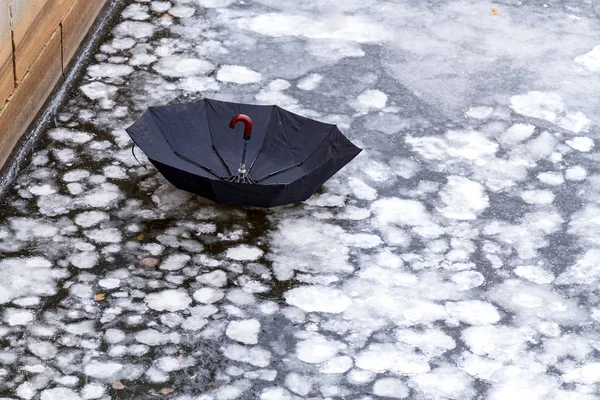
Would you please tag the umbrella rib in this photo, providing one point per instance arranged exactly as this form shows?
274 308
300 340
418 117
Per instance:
212 139
221 157
262 178
199 165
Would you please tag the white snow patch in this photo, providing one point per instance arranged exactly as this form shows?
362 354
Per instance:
142 59
216 3
469 145
310 82
152 337
388 357
534 274
581 143
176 66
98 90
84 259
102 196
114 172
135 29
588 374
90 218
317 349
70 136
537 196
175 262
432 342
42 190
109 70
208 295
318 298
244 253
590 60
344 27
168 300
21 277
371 100
245 331
136 12
361 190
42 349
182 11
114 336
215 278
390 387
576 173
337 365
517 133
237 74
160 6
298 384
14 317
251 355
26 391
361 240
473 312
447 382
27 301
76 175
59 393
102 370
93 391
542 105
199 84
463 198
109 283
551 178
108 235
479 112
575 122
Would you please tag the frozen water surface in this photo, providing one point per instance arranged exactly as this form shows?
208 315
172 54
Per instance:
456 258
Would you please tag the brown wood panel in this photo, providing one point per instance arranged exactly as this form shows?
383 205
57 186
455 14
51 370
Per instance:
76 23
30 95
7 81
33 23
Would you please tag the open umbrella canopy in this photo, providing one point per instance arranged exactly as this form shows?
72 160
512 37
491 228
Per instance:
241 154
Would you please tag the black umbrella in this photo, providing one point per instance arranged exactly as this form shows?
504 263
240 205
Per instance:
282 157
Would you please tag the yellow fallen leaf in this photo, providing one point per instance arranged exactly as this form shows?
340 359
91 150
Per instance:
100 296
494 11
140 237
118 385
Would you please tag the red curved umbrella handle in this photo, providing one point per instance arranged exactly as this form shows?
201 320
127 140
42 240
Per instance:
247 124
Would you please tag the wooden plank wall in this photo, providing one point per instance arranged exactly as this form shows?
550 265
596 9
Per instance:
38 38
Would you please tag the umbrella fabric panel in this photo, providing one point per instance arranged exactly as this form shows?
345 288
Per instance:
294 139
307 185
187 181
148 137
231 193
186 130
222 192
335 145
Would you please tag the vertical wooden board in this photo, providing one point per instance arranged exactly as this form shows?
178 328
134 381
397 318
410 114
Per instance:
24 13
33 23
76 24
30 95
7 81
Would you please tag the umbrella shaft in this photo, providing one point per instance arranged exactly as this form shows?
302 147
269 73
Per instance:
244 152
